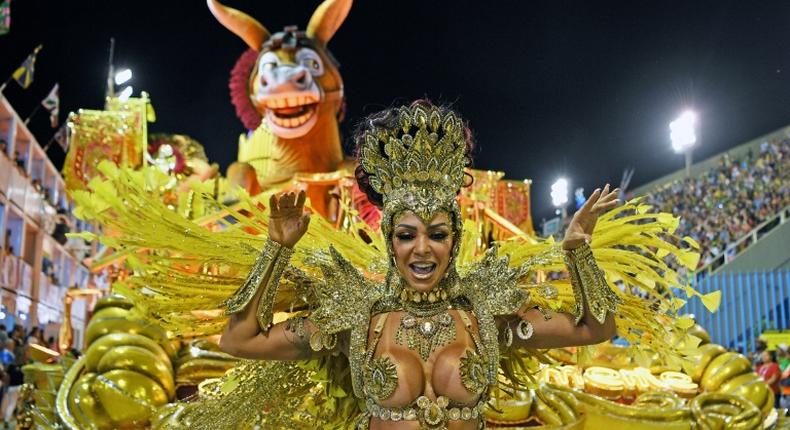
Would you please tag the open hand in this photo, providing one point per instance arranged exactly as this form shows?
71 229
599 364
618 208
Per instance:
583 223
288 220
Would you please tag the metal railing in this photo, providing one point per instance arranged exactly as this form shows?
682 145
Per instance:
739 246
751 302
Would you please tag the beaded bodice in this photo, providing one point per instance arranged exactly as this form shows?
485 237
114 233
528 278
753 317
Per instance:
349 301
426 384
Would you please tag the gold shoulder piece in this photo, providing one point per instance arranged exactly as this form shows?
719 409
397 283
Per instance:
589 284
344 296
345 299
494 282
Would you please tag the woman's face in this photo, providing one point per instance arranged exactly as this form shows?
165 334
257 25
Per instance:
422 251
766 357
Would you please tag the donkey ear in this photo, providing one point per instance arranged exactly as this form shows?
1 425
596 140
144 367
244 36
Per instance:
327 19
243 25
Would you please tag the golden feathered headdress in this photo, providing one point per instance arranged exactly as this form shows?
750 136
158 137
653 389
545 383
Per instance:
417 165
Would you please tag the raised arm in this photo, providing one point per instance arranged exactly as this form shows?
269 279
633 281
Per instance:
592 320
250 333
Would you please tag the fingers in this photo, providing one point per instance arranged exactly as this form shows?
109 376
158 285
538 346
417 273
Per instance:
609 198
273 204
588 205
603 207
300 199
605 200
286 200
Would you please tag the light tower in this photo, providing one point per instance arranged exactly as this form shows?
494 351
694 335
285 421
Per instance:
683 136
559 195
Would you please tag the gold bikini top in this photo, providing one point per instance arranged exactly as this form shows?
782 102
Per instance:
380 378
347 300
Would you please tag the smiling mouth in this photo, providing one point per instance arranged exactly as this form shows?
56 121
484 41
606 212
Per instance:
291 112
422 270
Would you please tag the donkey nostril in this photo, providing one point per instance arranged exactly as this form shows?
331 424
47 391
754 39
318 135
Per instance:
300 78
263 82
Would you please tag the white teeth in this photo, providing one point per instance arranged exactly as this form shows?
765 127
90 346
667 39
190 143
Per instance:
292 122
289 120
303 118
290 101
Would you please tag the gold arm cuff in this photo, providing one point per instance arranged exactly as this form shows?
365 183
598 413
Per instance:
273 256
265 304
589 284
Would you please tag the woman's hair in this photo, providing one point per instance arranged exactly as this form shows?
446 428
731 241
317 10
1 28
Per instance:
388 119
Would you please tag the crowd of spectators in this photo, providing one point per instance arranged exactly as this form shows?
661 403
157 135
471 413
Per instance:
18 159
13 356
773 365
724 204
58 222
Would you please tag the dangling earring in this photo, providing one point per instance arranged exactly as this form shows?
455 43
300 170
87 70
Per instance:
394 263
449 268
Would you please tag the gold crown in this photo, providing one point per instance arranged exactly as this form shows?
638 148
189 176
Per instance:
420 164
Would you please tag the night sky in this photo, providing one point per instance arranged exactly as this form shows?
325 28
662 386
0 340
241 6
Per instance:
581 89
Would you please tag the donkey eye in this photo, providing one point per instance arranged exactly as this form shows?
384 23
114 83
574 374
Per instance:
269 61
311 60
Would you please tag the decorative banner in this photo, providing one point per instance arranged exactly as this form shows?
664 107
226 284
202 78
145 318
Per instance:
118 134
62 137
24 74
513 203
501 201
52 104
5 17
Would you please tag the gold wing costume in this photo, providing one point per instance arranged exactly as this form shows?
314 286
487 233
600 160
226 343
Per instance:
188 278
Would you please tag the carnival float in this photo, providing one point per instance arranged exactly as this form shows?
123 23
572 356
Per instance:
288 92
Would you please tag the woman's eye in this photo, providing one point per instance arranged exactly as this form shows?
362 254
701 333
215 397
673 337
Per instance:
404 236
439 236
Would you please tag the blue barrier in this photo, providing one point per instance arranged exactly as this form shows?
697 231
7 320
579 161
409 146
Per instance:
751 303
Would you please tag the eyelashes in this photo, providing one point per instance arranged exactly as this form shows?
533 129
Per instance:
438 237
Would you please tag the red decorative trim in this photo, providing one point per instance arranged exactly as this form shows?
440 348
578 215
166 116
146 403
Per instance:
367 210
239 89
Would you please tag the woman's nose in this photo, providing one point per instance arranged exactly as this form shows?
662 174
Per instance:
422 247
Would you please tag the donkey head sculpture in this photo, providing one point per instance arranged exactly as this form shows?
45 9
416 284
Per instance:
295 85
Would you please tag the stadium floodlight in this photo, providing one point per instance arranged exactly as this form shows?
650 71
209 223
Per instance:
683 136
125 93
123 76
559 192
681 131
